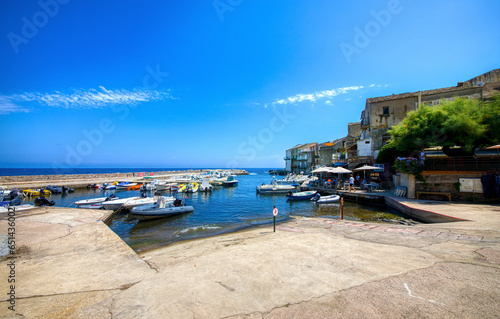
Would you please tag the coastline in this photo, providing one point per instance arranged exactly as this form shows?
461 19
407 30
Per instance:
71 264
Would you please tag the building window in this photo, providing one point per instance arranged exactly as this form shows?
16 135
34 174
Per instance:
385 110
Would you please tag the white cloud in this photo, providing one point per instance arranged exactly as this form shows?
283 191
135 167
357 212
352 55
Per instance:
328 102
313 97
77 99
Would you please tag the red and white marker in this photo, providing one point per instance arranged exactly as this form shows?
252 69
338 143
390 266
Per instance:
275 211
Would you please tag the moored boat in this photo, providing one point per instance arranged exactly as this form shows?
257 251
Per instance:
301 195
139 202
275 188
192 187
37 192
98 200
325 199
162 208
124 185
230 181
205 185
117 204
134 187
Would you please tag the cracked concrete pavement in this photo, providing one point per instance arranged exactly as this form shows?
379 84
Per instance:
70 265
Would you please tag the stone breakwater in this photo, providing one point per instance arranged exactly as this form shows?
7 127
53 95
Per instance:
82 180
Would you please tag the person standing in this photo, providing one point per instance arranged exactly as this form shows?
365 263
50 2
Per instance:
351 183
358 180
422 157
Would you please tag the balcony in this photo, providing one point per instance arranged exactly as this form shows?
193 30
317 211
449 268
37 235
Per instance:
287 158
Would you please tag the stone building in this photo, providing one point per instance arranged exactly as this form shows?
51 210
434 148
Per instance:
302 158
381 113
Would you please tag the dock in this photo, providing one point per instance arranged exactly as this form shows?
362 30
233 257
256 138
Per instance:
68 264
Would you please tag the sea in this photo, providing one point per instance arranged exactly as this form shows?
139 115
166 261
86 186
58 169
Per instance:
224 210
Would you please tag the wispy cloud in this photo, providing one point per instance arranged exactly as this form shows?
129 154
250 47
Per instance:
79 99
316 96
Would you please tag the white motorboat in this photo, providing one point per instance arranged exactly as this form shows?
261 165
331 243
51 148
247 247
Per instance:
17 208
97 200
106 186
230 181
91 206
162 208
325 199
275 188
139 202
205 185
116 204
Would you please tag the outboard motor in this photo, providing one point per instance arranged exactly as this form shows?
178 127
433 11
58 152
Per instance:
110 197
316 197
14 193
42 201
177 202
16 201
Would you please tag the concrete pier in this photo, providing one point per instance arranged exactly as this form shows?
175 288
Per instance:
82 180
68 264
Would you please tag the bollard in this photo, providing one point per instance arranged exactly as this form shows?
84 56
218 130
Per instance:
341 207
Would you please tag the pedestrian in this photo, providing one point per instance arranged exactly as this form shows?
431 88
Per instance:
422 157
351 183
358 180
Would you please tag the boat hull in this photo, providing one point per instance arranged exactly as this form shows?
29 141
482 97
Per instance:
301 196
155 213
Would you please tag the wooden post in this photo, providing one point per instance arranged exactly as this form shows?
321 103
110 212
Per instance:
341 207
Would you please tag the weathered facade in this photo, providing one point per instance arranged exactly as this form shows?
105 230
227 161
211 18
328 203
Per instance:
302 158
381 113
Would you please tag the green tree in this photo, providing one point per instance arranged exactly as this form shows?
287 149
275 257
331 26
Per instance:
468 123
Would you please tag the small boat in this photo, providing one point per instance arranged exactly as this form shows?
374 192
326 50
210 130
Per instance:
106 186
230 181
325 199
181 188
301 195
17 208
36 192
205 185
16 201
59 189
116 204
124 185
92 206
192 187
42 201
139 202
98 200
162 208
134 187
217 182
275 188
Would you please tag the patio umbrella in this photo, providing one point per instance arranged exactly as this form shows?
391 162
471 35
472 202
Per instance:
366 168
321 170
339 170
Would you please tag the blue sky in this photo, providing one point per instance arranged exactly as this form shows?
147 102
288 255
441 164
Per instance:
224 83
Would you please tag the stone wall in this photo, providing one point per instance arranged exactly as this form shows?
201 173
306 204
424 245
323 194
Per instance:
112 176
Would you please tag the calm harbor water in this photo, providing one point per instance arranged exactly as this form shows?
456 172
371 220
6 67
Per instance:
221 211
